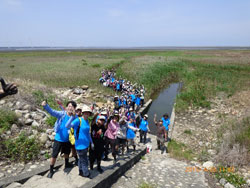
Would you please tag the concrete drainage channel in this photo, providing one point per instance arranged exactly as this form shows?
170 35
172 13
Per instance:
106 179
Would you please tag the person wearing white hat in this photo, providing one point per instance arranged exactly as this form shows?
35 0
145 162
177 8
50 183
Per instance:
103 113
97 135
143 128
82 140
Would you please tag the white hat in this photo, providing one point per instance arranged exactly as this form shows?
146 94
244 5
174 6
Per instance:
86 109
102 117
145 116
103 113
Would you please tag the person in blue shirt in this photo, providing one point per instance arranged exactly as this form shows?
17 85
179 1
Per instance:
138 102
166 122
132 95
61 142
82 139
118 86
143 128
131 133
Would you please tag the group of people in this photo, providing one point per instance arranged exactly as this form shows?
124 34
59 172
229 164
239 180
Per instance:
110 130
131 94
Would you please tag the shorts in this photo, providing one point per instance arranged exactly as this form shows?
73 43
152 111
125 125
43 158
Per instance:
121 141
64 147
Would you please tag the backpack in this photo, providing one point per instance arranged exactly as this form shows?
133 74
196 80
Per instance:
71 133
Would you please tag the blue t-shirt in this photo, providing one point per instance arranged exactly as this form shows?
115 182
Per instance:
83 140
62 135
130 132
144 125
166 122
138 101
132 97
118 86
124 102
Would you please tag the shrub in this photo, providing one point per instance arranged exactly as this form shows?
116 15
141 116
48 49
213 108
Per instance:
230 177
21 149
235 144
7 118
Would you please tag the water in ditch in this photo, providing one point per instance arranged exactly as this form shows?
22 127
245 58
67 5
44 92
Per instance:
163 104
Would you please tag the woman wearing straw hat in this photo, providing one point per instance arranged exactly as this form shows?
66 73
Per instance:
82 140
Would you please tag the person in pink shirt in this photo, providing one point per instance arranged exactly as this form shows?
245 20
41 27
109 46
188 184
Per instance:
110 136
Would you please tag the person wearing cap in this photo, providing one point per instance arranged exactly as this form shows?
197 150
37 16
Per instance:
103 113
61 141
166 122
97 135
110 135
82 139
130 114
143 128
161 133
131 133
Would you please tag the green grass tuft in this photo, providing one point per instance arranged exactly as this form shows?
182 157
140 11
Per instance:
146 185
21 149
230 177
180 151
7 118
188 131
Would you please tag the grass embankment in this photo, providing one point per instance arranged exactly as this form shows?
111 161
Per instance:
203 73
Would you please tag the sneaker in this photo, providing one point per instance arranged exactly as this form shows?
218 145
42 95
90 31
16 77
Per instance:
50 174
88 176
69 165
91 166
80 173
105 158
114 161
99 169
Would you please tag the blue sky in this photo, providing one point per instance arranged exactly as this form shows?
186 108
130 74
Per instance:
124 23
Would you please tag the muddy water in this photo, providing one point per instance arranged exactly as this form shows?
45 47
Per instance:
163 104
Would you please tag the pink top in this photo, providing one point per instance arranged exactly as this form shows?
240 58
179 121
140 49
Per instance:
112 129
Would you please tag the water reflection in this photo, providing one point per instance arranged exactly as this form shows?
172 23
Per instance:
163 104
